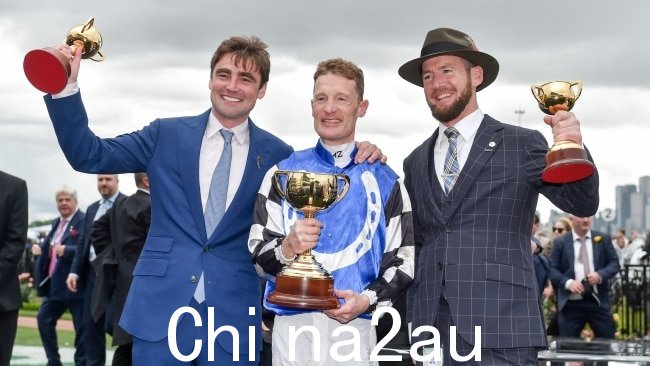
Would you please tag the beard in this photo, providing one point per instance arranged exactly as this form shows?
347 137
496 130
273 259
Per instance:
453 111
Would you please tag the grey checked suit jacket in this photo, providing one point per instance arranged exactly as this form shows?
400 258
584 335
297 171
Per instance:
473 245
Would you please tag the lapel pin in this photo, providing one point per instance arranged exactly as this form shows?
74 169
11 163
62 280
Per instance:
491 146
259 160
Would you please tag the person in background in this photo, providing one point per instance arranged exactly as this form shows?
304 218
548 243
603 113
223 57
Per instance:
55 256
540 262
82 274
119 237
560 227
13 236
582 262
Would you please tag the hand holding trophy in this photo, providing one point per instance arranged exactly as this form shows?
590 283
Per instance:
305 284
566 161
48 69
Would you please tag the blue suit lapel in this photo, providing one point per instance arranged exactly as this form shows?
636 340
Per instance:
569 253
190 135
74 223
257 164
487 141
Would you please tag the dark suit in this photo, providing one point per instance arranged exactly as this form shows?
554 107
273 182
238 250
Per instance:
177 249
573 314
119 237
94 330
473 245
13 236
57 296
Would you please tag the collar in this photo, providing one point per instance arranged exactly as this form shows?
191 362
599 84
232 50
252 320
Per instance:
324 154
68 218
466 127
240 131
576 237
144 190
110 199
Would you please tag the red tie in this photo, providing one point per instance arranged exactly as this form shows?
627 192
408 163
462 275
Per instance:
56 240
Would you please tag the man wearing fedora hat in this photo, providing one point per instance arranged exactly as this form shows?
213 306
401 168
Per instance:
474 185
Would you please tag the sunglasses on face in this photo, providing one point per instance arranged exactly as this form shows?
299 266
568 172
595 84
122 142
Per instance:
558 230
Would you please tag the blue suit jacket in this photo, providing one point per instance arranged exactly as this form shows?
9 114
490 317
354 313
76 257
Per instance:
55 288
475 242
177 249
563 258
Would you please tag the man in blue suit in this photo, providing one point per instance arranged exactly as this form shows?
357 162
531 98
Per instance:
474 186
82 275
183 264
582 262
56 253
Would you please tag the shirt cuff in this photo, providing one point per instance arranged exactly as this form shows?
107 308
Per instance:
280 256
567 284
372 296
70 89
73 275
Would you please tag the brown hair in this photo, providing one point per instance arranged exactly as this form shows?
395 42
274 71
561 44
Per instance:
250 52
341 67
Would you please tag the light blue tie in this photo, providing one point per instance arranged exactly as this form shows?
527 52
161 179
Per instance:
452 168
215 207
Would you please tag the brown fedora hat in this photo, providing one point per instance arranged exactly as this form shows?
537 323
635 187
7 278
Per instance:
447 41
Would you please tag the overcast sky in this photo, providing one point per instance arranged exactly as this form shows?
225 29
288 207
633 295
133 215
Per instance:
158 53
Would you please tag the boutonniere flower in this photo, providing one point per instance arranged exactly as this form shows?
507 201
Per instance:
73 232
598 239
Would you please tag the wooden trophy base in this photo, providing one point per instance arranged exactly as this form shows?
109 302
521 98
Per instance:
304 293
566 165
47 70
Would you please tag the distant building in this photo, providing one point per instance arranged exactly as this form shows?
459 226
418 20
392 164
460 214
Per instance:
636 221
623 204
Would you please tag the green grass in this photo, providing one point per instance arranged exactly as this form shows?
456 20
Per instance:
29 337
26 336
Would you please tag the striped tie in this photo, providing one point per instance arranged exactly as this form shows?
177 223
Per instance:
450 173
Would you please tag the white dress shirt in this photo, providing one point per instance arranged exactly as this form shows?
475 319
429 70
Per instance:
211 149
578 267
467 128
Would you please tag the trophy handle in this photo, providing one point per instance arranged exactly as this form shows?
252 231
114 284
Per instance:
537 92
89 24
578 85
276 182
346 186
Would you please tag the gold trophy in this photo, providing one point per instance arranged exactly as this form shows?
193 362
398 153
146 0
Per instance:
48 69
566 161
305 284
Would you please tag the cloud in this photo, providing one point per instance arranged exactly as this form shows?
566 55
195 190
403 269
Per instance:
157 65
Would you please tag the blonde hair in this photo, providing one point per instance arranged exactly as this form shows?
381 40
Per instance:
66 191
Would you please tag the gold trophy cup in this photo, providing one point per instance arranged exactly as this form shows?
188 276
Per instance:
566 161
305 284
48 69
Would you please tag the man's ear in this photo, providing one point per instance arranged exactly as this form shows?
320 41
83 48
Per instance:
261 92
476 73
363 107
